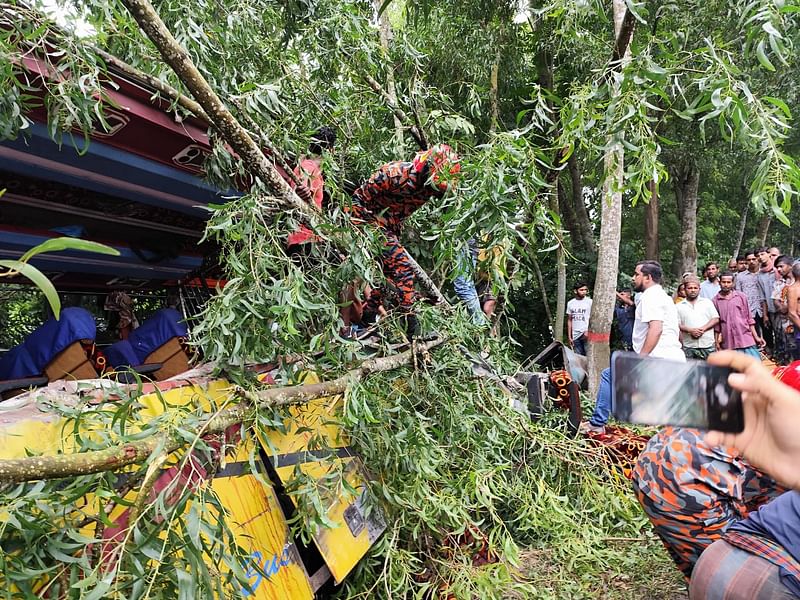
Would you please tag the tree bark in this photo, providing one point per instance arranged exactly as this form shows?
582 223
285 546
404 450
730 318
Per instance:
385 34
651 251
763 229
584 225
561 273
687 183
219 116
568 218
605 285
737 250
494 110
33 468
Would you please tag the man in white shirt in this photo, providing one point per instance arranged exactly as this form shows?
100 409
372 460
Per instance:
655 333
578 311
697 317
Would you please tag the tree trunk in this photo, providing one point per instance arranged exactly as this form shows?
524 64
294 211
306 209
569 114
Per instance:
651 225
494 110
385 33
687 182
582 222
568 218
763 229
561 270
605 285
737 250
221 118
229 128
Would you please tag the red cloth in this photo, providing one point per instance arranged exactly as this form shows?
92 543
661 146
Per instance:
310 173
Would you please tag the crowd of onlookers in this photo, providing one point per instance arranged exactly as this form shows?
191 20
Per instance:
752 306
726 506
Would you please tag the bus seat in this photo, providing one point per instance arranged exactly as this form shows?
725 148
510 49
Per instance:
53 350
157 340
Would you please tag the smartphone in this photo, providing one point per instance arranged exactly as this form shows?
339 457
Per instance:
654 391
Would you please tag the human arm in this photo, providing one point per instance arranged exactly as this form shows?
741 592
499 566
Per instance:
699 331
792 308
624 299
569 329
769 440
654 329
760 342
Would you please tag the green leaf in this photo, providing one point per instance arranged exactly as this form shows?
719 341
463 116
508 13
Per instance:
762 57
38 278
780 104
771 30
67 243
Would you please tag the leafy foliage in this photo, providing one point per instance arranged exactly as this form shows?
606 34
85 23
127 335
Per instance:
433 432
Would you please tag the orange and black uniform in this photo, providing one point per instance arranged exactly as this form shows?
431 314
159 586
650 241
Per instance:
385 200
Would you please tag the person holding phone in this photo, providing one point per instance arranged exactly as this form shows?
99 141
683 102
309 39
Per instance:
695 486
759 556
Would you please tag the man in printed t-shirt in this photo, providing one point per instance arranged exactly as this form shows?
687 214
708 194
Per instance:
578 311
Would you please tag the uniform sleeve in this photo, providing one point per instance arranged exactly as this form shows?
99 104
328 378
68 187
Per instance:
370 188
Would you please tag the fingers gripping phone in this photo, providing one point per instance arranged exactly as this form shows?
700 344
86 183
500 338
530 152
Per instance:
654 391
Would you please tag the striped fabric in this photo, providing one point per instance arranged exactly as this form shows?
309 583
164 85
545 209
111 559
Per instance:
766 549
725 572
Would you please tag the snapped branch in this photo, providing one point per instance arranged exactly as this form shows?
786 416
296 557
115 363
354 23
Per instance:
113 458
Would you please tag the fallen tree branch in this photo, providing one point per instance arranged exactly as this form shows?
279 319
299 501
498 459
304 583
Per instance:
32 468
219 116
154 82
265 141
426 282
230 129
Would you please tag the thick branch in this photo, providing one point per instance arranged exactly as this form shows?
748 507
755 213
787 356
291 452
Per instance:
154 82
623 41
265 141
222 119
219 116
33 468
426 282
